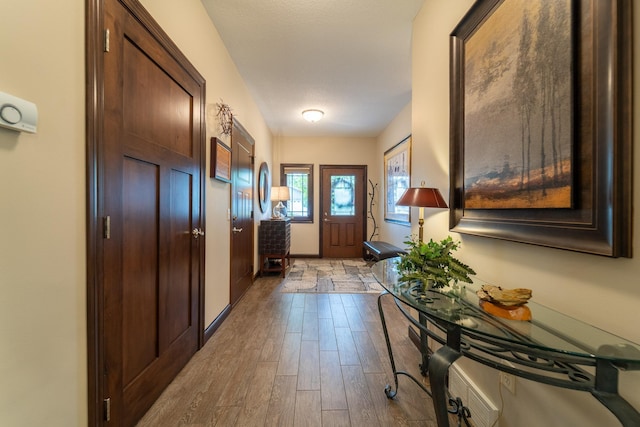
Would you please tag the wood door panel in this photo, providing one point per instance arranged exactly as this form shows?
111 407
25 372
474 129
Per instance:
140 393
175 304
140 267
350 234
155 107
334 232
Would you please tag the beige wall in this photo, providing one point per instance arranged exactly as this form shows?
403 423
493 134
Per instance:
597 290
395 132
320 151
43 370
43 377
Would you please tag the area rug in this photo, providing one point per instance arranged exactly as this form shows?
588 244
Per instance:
330 276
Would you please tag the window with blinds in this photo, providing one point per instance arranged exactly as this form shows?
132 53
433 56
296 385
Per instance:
299 179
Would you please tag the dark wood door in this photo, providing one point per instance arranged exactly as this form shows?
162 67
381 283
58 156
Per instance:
151 191
342 211
241 212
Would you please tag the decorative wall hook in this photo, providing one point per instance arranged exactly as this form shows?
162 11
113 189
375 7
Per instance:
225 117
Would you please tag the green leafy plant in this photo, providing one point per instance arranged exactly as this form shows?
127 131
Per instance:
433 263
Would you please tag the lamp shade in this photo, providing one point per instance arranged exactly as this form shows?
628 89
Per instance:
422 197
279 193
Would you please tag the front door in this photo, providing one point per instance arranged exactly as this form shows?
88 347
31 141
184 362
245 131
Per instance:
149 194
342 211
241 212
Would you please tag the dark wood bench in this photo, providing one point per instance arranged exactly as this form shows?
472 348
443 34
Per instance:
381 250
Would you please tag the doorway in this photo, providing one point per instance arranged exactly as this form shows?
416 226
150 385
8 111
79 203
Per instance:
343 214
241 268
146 163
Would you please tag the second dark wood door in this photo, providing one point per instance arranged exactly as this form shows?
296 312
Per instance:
241 212
342 211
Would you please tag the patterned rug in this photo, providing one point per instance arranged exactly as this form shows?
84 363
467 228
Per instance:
330 275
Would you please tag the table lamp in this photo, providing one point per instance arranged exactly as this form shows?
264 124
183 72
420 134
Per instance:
279 194
422 197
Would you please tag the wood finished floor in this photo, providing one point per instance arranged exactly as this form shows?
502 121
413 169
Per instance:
284 359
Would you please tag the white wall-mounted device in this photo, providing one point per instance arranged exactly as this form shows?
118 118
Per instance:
18 114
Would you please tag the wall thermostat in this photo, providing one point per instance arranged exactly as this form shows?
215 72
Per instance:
18 114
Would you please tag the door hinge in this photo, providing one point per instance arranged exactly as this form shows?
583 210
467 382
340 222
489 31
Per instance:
107 227
107 409
106 40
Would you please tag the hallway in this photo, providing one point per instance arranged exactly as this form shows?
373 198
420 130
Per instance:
296 359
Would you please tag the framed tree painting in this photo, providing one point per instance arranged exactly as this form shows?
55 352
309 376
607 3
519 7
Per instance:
397 178
541 124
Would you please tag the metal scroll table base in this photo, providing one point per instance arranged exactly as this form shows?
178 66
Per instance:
541 366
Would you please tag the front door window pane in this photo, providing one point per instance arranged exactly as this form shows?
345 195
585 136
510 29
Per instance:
343 192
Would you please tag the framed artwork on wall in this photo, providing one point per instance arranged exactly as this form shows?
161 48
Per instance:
397 178
541 124
220 160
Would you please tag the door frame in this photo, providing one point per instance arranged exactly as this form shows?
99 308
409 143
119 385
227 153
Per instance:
94 104
364 201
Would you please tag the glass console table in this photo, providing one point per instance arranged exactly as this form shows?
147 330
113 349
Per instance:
551 348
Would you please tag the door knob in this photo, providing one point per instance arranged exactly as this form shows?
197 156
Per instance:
236 230
197 232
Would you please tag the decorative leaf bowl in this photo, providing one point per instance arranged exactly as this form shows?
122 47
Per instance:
505 303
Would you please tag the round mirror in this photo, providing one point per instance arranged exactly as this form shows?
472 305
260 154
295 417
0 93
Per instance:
263 187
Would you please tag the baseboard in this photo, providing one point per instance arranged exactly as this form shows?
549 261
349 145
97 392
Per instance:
304 256
208 333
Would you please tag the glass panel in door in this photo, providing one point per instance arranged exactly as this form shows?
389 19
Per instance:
343 195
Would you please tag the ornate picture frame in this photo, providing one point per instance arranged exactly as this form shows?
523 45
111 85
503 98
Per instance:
598 219
397 178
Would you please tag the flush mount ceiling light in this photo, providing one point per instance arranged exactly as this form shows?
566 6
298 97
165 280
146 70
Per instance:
312 115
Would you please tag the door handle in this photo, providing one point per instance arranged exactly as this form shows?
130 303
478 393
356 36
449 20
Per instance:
326 220
197 232
236 230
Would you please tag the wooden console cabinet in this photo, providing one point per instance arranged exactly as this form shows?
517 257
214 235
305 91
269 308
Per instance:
274 242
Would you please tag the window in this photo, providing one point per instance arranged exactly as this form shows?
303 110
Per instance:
343 195
299 179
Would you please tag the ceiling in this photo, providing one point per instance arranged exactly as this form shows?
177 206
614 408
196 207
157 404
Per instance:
349 58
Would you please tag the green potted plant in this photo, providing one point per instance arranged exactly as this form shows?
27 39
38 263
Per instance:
433 264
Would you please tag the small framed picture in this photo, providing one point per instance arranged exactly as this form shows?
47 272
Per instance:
220 160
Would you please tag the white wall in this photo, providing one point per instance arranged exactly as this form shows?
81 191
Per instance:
320 151
43 346
597 290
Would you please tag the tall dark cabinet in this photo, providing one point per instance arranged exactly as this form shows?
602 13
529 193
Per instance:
274 242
